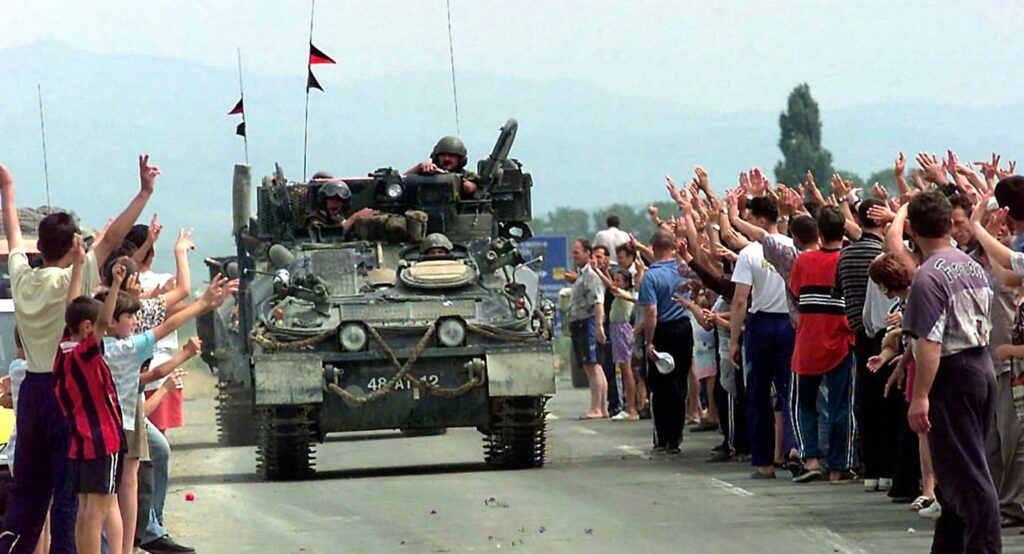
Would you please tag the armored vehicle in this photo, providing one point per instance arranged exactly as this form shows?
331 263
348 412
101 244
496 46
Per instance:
421 317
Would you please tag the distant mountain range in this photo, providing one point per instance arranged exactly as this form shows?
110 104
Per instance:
586 147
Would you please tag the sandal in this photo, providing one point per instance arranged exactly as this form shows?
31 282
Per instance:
920 503
585 417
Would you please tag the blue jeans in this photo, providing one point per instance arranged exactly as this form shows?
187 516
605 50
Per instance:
768 343
838 415
160 452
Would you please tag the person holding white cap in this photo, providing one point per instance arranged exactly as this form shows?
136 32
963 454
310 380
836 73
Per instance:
669 340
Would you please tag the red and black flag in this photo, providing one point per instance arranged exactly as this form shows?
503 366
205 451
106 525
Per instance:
238 109
316 56
311 82
240 130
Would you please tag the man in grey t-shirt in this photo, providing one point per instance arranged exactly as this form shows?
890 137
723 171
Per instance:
586 322
954 388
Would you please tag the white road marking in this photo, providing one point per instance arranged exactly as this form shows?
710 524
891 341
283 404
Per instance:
632 451
835 540
730 488
584 431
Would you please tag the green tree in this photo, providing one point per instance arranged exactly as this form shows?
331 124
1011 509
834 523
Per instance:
800 141
571 222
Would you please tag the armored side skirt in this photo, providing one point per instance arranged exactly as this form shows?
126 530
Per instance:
445 387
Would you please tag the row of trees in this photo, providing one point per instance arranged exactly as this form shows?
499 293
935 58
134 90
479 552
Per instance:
802 150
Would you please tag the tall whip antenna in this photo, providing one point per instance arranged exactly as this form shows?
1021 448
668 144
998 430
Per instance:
42 131
309 66
451 57
241 94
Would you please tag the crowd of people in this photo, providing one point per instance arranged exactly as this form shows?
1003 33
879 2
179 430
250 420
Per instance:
834 338
97 380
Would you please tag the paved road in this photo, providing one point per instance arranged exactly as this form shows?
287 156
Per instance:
600 492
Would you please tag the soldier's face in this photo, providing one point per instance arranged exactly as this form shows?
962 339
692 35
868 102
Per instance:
448 162
334 206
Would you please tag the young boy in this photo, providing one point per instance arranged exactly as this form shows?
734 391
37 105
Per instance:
85 393
126 353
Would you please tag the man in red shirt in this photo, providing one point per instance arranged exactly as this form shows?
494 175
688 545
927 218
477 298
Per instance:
822 355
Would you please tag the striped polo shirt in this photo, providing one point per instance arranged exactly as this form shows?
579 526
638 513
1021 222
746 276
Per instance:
852 275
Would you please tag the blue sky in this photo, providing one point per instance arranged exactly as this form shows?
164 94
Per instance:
718 55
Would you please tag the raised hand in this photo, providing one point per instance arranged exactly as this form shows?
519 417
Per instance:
839 188
980 209
900 166
702 178
933 171
812 187
879 192
726 254
881 214
147 173
193 346
990 169
119 273
132 285
1004 173
918 180
78 250
155 228
673 191
184 242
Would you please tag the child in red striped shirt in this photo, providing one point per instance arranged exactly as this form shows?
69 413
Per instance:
87 397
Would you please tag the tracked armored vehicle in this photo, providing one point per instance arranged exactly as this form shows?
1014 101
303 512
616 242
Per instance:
336 331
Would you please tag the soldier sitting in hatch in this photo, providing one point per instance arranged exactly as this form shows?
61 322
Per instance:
435 245
449 156
332 200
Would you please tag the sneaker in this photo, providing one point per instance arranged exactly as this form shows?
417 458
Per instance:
758 475
623 416
845 477
673 450
808 475
658 450
719 457
720 448
645 412
704 426
166 544
871 485
931 512
884 483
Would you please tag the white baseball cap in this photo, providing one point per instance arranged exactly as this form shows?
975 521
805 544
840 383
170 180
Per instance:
665 363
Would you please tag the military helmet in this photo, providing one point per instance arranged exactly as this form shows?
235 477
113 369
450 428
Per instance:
337 190
435 240
321 176
450 145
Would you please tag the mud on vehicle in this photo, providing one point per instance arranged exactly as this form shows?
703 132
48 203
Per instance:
337 331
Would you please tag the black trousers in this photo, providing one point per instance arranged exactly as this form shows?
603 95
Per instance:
668 391
906 477
876 414
961 408
40 473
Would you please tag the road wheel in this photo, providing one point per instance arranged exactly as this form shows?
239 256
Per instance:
284 450
517 437
236 425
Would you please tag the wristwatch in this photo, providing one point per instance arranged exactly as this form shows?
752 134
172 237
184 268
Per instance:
716 226
841 199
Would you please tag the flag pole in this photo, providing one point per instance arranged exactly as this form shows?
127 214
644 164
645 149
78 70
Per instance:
309 67
241 94
42 130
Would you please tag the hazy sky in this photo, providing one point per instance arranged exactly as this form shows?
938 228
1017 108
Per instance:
718 54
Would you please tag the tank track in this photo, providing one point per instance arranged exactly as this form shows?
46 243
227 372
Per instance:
235 421
284 451
517 437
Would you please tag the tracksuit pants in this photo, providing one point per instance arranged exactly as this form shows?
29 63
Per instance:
839 412
768 343
668 391
40 473
961 407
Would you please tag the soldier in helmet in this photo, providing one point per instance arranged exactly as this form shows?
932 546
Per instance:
449 156
332 199
435 245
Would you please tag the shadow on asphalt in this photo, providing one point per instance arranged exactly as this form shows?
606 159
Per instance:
333 474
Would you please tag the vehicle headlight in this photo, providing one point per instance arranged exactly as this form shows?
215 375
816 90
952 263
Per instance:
352 337
394 191
451 332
